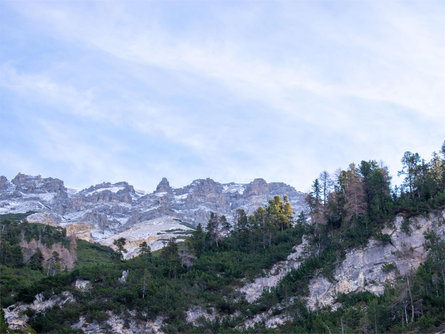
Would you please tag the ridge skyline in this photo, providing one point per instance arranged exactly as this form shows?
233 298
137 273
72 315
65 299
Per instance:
139 188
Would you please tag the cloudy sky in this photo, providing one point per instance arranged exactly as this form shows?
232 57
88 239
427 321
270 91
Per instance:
111 91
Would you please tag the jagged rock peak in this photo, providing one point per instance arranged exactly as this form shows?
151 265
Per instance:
3 183
30 184
257 187
207 185
164 186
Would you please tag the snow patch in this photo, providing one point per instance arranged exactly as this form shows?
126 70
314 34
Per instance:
233 188
12 206
181 197
112 189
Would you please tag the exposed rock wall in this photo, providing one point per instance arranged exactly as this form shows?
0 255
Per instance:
67 255
109 209
272 277
15 314
80 231
196 313
117 324
362 268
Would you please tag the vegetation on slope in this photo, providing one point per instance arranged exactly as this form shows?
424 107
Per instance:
205 270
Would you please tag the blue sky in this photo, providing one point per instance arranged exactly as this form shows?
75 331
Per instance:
138 90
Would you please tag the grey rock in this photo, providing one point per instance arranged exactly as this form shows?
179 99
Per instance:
37 184
4 184
362 268
164 186
253 290
15 314
111 208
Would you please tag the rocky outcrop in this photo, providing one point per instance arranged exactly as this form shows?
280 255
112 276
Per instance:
155 233
15 314
112 208
197 314
362 269
252 291
80 231
268 318
164 186
46 218
117 324
82 285
4 184
257 187
67 256
37 184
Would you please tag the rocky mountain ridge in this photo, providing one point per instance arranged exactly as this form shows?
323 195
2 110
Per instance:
100 212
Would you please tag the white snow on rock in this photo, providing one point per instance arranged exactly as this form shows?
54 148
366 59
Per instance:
13 206
233 188
113 189
181 197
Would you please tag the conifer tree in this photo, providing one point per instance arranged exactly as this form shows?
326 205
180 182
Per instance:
120 243
171 255
197 240
145 250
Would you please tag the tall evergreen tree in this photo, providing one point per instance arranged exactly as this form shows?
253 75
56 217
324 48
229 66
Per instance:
410 169
145 250
171 255
242 229
197 240
120 243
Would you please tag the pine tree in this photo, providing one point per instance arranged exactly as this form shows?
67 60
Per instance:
145 250
212 229
197 240
171 255
242 229
411 169
326 186
120 243
36 260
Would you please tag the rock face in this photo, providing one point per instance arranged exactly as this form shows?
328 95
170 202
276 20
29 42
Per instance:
67 255
80 231
271 278
102 211
82 285
362 268
164 186
116 324
197 313
15 314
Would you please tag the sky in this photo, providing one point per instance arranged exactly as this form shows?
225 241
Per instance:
94 91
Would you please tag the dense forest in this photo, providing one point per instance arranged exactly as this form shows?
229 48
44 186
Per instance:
345 210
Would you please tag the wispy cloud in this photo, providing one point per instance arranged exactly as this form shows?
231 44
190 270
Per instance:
279 90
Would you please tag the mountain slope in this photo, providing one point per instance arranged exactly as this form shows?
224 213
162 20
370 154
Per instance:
101 212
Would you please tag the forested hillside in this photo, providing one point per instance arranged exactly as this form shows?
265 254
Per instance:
196 286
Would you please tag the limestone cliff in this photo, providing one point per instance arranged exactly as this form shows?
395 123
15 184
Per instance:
363 269
105 210
67 256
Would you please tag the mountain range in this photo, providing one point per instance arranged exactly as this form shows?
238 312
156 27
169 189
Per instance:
107 211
